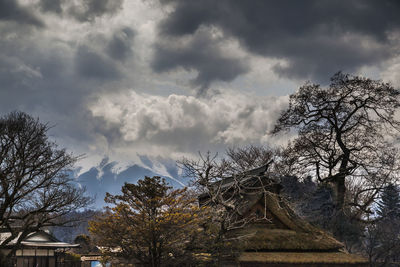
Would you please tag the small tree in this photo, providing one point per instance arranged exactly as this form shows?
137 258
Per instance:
345 137
389 206
386 246
36 189
151 224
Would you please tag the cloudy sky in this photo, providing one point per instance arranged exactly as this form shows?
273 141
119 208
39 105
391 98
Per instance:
137 79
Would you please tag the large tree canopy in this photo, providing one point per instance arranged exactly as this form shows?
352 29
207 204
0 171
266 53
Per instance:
36 189
150 223
346 134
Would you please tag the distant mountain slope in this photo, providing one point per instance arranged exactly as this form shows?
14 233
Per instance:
107 177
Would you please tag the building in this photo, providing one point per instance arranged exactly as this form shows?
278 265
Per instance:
40 249
274 235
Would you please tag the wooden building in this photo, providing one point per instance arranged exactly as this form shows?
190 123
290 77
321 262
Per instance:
276 236
40 249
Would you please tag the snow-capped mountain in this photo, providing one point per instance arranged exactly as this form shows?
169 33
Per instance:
110 176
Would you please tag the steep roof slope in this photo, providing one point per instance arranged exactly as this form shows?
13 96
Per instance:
280 229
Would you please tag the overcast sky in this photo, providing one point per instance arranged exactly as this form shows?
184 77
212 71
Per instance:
127 78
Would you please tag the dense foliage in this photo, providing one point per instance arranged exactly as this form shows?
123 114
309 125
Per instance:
382 242
389 206
150 224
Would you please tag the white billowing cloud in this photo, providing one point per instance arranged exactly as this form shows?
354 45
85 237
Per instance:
186 123
392 73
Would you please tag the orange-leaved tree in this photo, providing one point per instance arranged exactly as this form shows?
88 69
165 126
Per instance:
150 224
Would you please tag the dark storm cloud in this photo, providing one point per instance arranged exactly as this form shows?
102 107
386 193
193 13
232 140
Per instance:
203 54
90 64
10 10
120 45
51 6
327 57
82 10
315 37
88 10
54 79
43 86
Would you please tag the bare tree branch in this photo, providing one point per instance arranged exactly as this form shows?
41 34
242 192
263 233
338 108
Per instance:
36 189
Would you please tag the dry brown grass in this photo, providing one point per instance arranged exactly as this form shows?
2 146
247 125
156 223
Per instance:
301 257
259 238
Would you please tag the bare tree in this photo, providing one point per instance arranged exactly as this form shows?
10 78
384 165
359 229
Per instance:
346 135
241 159
227 186
36 189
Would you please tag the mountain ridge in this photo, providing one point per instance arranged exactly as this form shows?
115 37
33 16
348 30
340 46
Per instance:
107 177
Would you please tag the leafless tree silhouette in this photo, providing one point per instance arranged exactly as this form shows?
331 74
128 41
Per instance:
36 189
346 135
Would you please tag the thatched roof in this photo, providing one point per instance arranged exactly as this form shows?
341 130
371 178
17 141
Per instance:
264 239
282 229
285 231
279 228
302 259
